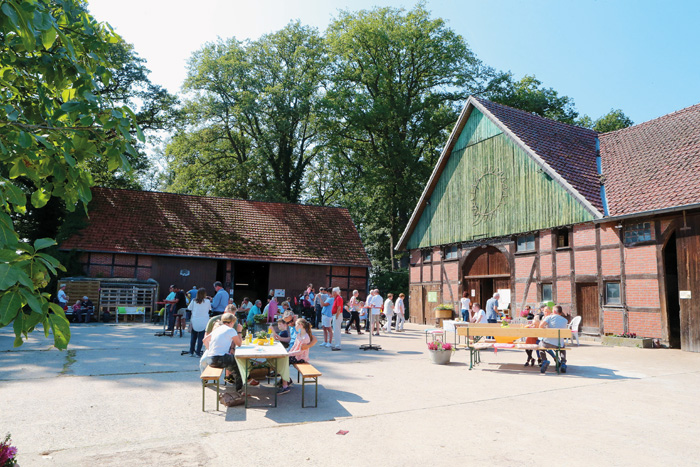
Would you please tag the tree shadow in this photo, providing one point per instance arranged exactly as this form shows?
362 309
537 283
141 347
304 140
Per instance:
573 371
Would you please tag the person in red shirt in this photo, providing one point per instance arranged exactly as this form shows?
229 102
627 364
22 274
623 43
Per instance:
337 312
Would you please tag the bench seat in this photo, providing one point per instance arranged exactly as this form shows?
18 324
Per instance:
210 378
307 372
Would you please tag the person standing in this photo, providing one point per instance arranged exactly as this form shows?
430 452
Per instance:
199 306
389 311
376 303
62 297
327 318
492 308
218 305
465 305
355 305
318 308
337 312
192 294
400 310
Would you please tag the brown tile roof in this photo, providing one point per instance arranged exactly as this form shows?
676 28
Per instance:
126 221
653 165
569 150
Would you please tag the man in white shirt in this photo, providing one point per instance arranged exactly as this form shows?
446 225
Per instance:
62 297
375 302
479 314
553 321
389 311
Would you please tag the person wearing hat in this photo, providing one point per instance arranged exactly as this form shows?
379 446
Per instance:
290 320
86 308
62 297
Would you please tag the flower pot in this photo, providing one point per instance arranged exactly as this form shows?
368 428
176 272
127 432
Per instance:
440 357
444 314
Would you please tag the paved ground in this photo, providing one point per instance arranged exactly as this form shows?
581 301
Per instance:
121 396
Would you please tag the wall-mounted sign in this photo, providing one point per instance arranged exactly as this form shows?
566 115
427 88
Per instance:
504 300
432 297
473 293
279 293
184 272
685 294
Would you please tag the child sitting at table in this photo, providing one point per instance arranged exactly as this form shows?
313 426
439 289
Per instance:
284 332
297 354
76 307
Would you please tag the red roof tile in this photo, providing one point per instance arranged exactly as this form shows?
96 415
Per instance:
569 150
126 221
653 165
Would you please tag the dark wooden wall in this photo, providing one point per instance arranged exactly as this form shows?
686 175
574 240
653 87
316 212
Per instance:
688 242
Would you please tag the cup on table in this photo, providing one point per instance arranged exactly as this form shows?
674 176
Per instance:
272 340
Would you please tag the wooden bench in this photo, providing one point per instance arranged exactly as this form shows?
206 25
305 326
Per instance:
307 372
210 377
475 332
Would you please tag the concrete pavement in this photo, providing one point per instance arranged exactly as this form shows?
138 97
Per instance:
121 396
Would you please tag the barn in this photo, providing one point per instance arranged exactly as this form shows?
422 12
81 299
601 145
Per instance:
252 247
606 225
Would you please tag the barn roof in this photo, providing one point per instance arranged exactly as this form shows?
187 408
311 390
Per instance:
144 222
653 165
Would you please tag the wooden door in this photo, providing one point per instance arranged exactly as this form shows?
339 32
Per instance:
587 306
475 286
688 248
431 299
415 301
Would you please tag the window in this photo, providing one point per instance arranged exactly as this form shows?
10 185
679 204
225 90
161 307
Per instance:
635 233
563 238
526 243
546 292
612 293
427 256
451 252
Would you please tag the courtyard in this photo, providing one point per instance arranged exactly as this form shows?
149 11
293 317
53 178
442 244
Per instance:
121 396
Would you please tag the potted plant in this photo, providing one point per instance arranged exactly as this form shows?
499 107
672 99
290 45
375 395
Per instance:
260 323
440 352
444 311
8 453
628 339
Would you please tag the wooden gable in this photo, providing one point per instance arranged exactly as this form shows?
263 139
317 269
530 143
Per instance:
491 187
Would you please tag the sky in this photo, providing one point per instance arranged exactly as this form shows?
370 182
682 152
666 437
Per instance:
639 56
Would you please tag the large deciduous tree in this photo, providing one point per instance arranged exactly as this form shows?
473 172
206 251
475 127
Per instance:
398 80
54 60
251 126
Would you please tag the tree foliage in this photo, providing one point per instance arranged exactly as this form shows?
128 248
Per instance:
398 80
251 126
54 60
530 95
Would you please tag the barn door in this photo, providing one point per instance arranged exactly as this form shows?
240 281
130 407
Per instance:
415 301
474 285
688 249
587 306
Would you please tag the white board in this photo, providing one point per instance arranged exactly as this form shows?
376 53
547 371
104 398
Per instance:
280 293
504 300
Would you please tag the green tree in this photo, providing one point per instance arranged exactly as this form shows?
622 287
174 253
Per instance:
252 125
530 95
53 63
613 120
398 81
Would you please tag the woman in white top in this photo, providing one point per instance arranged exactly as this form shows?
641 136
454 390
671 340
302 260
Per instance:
465 302
200 308
479 314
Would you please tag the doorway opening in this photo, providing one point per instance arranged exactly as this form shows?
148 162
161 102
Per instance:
250 280
485 271
673 306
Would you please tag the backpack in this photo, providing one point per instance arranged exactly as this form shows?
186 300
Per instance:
231 399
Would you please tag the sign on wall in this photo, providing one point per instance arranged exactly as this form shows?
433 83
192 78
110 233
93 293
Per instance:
432 297
280 293
504 300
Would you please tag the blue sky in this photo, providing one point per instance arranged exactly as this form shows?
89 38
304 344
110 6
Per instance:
640 56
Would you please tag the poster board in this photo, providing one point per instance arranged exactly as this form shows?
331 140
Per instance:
432 297
280 293
504 300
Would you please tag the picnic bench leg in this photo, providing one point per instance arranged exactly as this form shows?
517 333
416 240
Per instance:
303 387
316 397
246 382
204 392
217 391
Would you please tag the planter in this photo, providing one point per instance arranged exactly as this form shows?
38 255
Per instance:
641 342
257 327
443 314
440 357
258 373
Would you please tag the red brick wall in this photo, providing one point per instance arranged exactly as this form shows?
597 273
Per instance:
610 260
546 266
520 294
585 262
584 234
143 273
436 273
640 260
415 274
563 263
452 271
664 225
644 324
563 292
123 271
545 240
100 271
609 234
643 293
101 258
145 260
523 265
612 322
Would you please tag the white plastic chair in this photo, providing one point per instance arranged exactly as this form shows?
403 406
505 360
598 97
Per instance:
573 325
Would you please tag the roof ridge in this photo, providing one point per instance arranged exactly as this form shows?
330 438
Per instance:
668 115
220 197
536 116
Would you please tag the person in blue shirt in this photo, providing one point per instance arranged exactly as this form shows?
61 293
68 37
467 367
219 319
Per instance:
218 304
254 310
492 308
192 294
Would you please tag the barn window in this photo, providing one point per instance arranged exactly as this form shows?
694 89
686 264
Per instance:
451 252
563 238
427 256
636 233
612 293
526 243
546 292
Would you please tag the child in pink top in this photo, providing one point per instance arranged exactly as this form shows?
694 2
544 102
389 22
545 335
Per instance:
296 353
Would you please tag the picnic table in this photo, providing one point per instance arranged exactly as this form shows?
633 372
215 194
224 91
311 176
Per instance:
276 354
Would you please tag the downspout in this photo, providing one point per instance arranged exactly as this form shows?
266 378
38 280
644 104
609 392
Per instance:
601 177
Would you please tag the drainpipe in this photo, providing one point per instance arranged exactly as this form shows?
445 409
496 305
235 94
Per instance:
601 177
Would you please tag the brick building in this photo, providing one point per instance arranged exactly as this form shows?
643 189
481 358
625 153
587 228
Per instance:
606 225
250 246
